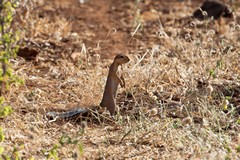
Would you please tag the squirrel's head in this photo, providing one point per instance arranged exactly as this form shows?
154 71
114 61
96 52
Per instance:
121 59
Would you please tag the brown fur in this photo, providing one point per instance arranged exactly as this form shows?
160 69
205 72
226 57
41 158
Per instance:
113 80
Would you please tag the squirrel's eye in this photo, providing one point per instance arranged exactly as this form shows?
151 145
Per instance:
121 56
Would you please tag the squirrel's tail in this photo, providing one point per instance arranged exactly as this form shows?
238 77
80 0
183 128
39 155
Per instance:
66 115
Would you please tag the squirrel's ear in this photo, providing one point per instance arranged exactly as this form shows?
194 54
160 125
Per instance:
120 55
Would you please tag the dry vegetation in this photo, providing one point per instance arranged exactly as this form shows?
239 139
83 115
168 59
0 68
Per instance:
182 72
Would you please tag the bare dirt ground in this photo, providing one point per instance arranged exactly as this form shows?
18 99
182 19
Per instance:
182 95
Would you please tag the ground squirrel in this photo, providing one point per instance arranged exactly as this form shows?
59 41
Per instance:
109 95
113 80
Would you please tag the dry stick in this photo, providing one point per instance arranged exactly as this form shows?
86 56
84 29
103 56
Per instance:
114 32
32 41
161 29
125 135
96 115
134 32
181 76
100 115
84 51
55 119
141 59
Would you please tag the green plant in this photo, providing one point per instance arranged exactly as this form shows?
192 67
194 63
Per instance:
8 50
8 43
8 155
238 121
238 148
213 71
64 141
4 111
53 153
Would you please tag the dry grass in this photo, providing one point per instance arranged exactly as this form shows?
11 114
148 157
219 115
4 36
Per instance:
171 107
